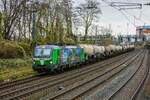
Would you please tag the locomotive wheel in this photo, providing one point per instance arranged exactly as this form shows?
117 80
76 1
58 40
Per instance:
57 70
40 71
61 69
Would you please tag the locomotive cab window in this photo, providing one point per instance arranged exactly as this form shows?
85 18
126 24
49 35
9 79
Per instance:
42 52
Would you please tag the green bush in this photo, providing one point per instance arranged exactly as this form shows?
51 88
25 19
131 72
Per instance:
5 63
12 69
9 49
69 41
27 48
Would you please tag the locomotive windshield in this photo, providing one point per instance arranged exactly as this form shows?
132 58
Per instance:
42 52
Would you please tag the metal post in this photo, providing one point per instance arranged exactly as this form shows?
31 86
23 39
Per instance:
96 35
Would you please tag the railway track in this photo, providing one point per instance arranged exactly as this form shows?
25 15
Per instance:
77 90
28 81
18 82
143 82
130 90
35 88
8 85
112 87
75 78
82 78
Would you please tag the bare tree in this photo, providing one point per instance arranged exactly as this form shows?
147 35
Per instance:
53 20
88 12
68 16
11 11
0 25
106 30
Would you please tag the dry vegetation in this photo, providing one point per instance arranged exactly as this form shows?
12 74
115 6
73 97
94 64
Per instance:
12 69
15 60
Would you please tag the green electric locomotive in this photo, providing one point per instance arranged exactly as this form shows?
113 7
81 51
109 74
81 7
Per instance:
49 58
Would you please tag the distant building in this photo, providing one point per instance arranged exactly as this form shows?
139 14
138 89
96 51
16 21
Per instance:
143 32
128 39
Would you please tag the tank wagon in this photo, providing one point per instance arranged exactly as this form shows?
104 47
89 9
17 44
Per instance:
50 58
93 52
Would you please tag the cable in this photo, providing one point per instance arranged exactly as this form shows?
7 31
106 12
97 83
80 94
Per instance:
128 18
121 12
135 17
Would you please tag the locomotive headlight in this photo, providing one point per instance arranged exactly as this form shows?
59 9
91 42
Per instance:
51 62
33 61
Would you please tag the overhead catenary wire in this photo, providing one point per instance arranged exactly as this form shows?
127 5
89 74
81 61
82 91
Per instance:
128 18
139 19
121 11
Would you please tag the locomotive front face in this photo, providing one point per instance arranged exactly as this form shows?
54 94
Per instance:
42 58
42 53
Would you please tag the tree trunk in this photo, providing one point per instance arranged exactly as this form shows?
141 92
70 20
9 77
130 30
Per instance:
86 32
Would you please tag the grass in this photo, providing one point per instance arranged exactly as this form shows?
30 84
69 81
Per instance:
13 69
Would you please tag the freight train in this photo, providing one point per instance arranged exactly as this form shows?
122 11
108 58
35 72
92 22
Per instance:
54 58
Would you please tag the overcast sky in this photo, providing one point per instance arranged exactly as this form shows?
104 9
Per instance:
118 21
